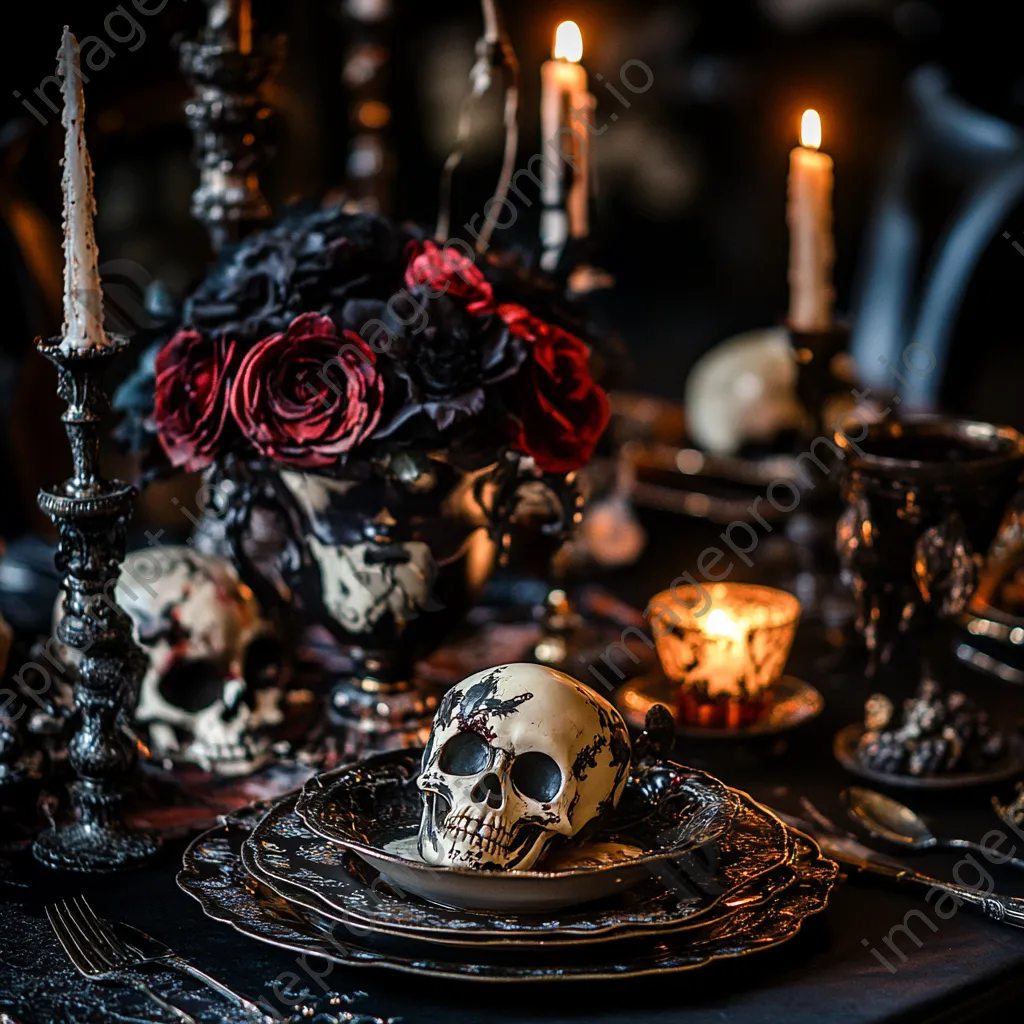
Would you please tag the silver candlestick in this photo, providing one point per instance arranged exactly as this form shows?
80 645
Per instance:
229 65
91 516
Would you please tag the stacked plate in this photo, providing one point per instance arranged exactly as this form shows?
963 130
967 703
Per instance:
690 872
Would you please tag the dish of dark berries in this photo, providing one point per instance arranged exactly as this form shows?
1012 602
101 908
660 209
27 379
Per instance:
937 740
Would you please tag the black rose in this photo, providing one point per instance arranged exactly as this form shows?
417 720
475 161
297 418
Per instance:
308 263
446 356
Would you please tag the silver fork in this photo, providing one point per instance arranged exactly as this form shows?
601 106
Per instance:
86 951
143 949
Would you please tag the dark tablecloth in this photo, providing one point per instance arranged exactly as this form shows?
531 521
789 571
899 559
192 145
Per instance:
969 968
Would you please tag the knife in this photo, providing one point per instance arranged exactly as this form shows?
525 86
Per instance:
855 856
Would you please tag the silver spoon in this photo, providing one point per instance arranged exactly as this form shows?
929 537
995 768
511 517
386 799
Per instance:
887 819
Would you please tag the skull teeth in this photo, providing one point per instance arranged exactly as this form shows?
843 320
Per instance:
490 836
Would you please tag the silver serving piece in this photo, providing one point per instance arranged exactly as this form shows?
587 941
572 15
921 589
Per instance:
892 822
229 65
144 949
855 856
754 857
91 951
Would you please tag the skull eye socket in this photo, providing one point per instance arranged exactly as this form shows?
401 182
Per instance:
466 753
536 775
192 685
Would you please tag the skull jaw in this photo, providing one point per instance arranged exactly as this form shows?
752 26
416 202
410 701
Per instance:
447 847
247 755
229 739
244 758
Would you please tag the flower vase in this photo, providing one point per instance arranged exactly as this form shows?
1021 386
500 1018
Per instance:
386 561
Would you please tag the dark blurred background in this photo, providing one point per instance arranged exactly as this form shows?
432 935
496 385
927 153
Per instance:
690 213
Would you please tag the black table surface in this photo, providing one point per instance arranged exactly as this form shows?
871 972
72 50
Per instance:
962 968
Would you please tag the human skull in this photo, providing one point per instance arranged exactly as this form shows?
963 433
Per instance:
742 390
518 755
212 689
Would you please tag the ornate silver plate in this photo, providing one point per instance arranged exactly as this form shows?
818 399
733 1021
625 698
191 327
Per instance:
373 807
214 876
329 879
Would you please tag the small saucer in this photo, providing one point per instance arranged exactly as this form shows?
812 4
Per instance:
1010 765
796 702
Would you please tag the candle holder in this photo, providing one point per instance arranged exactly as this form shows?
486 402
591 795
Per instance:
823 371
364 73
723 647
228 117
91 514
824 384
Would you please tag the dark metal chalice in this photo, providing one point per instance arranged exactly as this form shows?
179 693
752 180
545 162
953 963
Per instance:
923 501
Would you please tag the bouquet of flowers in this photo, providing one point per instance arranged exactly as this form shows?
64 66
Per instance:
337 336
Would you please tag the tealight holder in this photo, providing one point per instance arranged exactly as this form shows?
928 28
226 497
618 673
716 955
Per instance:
723 648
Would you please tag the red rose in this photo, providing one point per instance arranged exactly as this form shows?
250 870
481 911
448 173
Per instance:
560 413
192 397
447 272
307 396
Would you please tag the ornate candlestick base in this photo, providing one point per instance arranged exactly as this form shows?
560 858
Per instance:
90 514
374 716
376 704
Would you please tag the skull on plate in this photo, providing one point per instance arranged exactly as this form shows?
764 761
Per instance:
518 755
212 692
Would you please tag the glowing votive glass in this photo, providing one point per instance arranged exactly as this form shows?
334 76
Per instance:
725 645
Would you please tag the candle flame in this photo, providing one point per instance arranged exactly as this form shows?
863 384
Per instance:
568 42
721 623
810 129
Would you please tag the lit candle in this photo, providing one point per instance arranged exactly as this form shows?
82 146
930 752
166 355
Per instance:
565 104
245 27
724 646
83 299
811 246
724 663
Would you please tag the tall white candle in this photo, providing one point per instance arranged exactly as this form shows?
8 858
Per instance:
581 114
83 299
811 245
565 102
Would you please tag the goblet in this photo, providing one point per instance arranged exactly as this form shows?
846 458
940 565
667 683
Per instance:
923 501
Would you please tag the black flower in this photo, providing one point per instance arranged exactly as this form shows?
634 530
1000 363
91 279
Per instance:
310 263
446 356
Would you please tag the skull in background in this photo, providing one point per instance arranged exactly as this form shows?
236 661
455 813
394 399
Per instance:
213 690
518 755
743 390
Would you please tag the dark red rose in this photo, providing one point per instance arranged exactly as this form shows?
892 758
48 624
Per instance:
448 272
308 396
192 388
560 413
